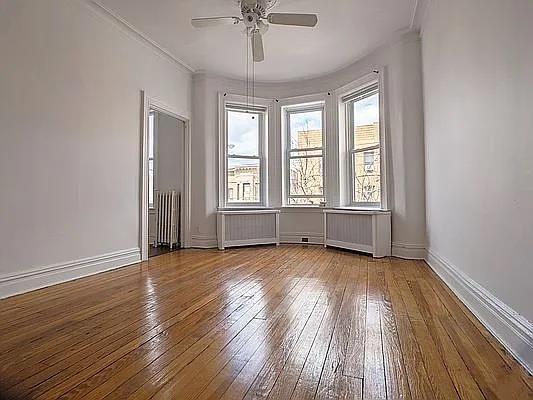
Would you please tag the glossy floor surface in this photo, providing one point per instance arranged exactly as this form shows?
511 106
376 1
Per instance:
269 322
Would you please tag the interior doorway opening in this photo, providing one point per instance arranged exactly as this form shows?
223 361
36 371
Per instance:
166 181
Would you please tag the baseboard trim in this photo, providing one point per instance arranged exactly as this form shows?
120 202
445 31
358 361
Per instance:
204 242
38 278
409 251
296 237
511 329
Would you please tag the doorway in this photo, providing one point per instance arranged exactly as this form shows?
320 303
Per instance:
164 180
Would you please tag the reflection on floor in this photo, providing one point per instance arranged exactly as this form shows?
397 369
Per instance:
157 251
287 322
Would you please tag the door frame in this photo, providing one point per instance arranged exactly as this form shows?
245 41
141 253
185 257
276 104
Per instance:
150 103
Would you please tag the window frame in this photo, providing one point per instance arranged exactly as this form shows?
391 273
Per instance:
347 101
153 113
298 109
237 103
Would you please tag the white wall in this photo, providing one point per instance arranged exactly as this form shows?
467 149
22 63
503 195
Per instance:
478 91
404 94
479 122
70 110
170 147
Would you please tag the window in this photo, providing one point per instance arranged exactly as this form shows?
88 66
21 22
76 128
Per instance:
305 155
151 159
245 129
364 142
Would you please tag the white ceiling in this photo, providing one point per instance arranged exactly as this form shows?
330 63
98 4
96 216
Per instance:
347 30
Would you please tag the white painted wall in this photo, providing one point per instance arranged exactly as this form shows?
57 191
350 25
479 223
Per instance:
478 91
70 110
170 139
404 94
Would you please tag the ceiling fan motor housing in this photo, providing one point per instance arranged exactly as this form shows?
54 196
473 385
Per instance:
254 10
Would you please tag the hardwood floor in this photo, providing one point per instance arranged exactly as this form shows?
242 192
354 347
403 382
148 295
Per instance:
288 322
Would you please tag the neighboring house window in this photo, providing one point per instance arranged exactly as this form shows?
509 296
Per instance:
364 146
304 155
245 129
369 161
151 159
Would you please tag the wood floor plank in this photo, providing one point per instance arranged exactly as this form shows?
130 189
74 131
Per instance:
113 342
309 379
415 370
465 385
355 352
293 308
277 322
395 375
154 333
374 386
333 383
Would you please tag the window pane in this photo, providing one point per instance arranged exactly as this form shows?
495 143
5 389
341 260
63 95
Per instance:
367 176
243 133
151 182
306 177
366 122
243 180
305 129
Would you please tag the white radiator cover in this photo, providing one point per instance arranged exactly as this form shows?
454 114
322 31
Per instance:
247 227
360 230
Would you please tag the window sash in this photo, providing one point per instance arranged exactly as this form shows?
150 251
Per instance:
349 101
302 110
361 94
304 195
261 113
292 153
354 176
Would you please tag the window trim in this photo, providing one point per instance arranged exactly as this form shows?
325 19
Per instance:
296 109
153 112
347 95
263 108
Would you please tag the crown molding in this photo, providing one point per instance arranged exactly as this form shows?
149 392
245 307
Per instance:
419 14
133 32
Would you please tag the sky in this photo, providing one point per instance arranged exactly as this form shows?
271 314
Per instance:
367 110
243 137
243 133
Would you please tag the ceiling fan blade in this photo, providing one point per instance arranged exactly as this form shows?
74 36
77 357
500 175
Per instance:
293 19
257 46
214 21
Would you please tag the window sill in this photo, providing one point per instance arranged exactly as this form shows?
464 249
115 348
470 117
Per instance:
361 210
247 210
244 208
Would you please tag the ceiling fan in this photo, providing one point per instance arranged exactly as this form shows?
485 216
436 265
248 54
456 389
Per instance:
257 20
